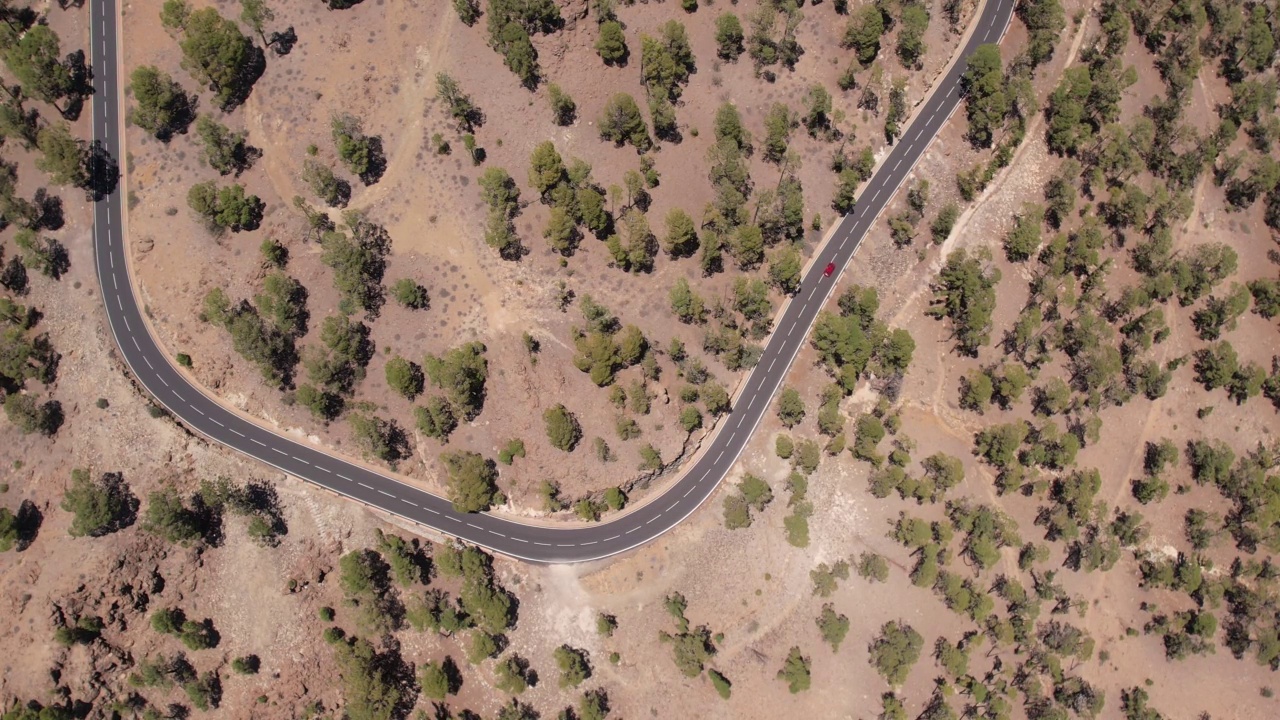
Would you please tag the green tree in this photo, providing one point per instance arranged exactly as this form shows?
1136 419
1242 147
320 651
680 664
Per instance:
873 567
911 47
361 153
621 122
778 124
864 32
817 116
502 196
612 45
256 14
965 293
215 52
687 305
371 680
986 100
284 302
1024 238
729 37
163 107
225 151
64 157
563 108
1045 21
169 518
512 674
379 437
940 228
226 208
465 114
472 481
9 530
35 59
468 12
895 650
18 122
436 418
100 507
42 254
546 168
682 237
461 373
437 679
784 270
405 377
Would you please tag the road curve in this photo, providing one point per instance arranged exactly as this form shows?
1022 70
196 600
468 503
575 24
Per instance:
189 403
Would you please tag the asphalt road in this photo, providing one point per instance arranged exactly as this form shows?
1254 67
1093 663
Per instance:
189 403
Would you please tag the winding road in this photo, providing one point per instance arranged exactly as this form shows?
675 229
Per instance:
151 365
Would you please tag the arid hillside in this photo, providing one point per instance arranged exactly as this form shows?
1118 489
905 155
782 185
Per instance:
1026 467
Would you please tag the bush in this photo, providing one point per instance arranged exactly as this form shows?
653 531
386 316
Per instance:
169 518
198 635
246 665
606 624
833 626
615 498
721 683
650 459
436 418
562 428
404 377
795 671
513 449
790 407
690 419
512 674
410 294
227 208
573 664
439 679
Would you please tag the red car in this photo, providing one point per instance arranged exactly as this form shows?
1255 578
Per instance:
831 267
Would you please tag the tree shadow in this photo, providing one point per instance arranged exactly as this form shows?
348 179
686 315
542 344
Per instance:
103 170
281 43
452 673
81 85
242 86
13 277
28 521
377 162
182 119
49 210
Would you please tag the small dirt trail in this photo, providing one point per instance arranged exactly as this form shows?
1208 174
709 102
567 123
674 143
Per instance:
413 100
